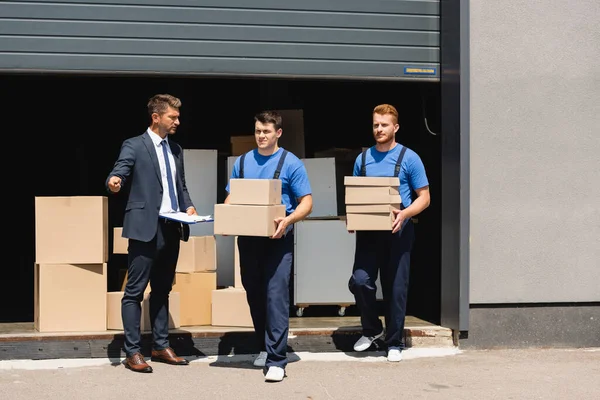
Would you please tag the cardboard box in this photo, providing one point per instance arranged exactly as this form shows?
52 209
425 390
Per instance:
259 192
69 297
198 254
237 276
371 208
370 222
120 244
242 144
241 220
71 230
230 308
372 195
371 181
114 319
195 291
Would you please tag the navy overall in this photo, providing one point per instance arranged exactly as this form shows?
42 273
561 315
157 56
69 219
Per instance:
265 269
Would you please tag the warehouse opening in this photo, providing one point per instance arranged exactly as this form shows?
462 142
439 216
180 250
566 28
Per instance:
67 130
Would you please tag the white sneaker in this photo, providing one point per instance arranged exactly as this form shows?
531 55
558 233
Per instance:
394 354
275 374
261 359
365 342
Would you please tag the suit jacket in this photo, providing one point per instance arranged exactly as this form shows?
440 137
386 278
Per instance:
138 167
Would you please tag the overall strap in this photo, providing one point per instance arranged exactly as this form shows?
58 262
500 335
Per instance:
280 165
242 165
363 166
399 162
397 167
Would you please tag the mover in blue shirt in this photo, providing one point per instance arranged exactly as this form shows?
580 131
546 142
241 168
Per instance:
385 252
265 263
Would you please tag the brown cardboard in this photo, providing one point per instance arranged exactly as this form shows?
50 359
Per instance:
70 298
198 254
372 195
242 144
114 318
230 308
195 291
371 181
237 277
120 244
369 222
259 192
241 220
71 230
371 208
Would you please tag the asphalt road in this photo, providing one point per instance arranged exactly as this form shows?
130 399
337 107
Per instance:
496 374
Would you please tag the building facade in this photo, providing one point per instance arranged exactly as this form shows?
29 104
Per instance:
519 121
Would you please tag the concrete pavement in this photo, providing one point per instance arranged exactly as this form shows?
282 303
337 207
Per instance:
423 374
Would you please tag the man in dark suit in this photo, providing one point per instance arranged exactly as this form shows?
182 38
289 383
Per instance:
152 166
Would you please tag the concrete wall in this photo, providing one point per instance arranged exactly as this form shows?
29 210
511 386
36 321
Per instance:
535 151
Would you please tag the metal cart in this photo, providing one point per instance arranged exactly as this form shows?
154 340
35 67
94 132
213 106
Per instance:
323 259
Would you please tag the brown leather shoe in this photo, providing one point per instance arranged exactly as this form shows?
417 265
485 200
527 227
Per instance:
168 356
137 363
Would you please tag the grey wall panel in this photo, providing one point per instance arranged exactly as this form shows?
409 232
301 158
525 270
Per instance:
535 118
324 38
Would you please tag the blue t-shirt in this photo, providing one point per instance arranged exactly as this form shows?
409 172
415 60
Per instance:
294 178
412 171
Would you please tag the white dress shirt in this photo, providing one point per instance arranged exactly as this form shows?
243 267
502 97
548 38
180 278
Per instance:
165 206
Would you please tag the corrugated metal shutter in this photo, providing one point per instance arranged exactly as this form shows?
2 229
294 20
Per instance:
300 38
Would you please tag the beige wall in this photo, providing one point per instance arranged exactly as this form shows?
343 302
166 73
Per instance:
535 151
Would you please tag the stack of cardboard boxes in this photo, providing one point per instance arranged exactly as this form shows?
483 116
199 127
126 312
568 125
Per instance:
229 305
114 319
190 298
70 272
370 201
196 278
254 204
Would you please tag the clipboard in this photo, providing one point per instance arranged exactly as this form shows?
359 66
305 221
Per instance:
186 219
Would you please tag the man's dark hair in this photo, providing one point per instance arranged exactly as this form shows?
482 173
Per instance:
269 117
